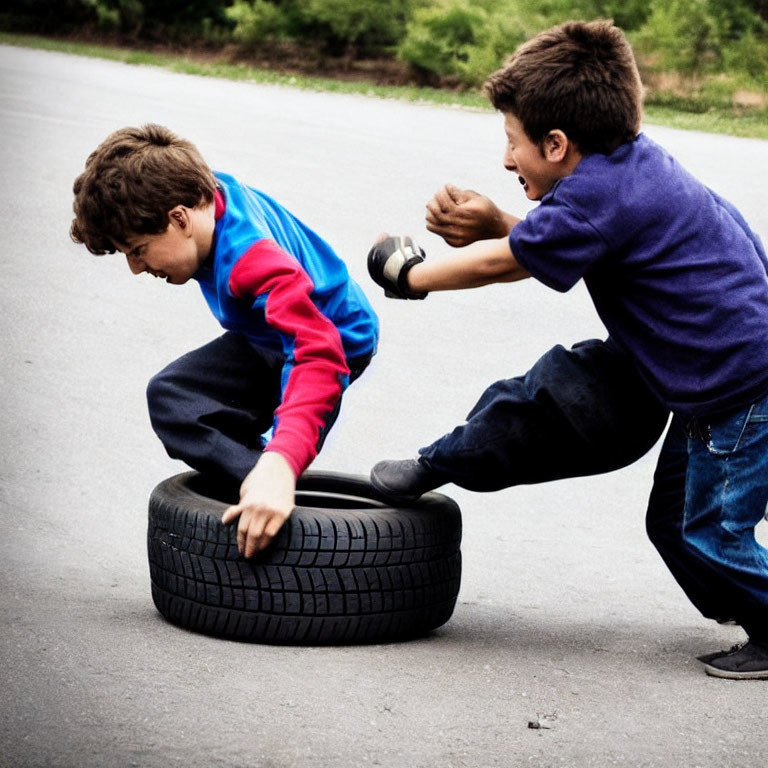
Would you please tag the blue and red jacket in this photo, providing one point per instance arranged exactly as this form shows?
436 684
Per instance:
272 279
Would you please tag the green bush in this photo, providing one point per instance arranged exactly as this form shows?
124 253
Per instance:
338 26
369 25
749 55
257 20
627 14
447 39
760 7
119 15
702 36
467 41
682 35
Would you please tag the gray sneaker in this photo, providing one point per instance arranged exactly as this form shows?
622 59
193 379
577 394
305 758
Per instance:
404 480
744 662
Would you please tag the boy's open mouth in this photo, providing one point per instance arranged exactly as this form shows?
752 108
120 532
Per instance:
523 182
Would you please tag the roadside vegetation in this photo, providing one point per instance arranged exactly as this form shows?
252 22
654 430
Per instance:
704 62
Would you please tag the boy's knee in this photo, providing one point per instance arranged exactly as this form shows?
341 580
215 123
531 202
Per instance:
663 535
664 518
156 387
161 393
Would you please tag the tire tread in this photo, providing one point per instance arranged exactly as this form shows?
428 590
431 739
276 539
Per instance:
331 576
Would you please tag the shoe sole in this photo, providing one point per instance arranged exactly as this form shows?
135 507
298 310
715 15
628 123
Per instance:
725 674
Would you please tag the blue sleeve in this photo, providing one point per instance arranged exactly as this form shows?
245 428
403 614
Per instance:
556 245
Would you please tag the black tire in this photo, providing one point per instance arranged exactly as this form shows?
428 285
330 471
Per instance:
346 567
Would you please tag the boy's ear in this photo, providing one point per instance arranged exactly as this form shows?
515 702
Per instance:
179 217
556 146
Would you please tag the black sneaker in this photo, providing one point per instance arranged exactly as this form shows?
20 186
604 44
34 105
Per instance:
744 662
707 657
404 480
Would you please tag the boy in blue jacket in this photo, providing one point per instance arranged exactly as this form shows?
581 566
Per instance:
680 282
254 405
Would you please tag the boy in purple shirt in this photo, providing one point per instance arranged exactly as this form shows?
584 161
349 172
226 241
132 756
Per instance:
680 282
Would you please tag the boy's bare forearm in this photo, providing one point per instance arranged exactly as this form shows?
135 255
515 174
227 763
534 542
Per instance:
509 221
484 263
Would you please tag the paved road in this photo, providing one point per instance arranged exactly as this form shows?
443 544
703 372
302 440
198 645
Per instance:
565 609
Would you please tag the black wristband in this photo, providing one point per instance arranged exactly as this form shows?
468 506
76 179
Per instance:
402 279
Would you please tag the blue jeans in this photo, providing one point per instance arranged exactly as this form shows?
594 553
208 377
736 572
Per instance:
710 491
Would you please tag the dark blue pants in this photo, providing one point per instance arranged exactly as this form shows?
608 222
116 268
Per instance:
211 407
577 412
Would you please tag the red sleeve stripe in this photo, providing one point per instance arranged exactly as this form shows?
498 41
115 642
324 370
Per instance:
315 382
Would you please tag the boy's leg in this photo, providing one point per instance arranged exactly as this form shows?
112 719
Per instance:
726 497
210 407
577 412
664 524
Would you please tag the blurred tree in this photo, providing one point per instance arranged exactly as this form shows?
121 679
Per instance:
760 7
46 17
458 40
441 36
160 18
627 14
256 21
699 36
355 26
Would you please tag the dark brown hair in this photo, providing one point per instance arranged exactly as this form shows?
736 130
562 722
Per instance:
579 77
130 183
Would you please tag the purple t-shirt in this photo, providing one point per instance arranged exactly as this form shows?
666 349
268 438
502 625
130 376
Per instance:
675 273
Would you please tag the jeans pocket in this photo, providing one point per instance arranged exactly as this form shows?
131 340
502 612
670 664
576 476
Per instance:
727 432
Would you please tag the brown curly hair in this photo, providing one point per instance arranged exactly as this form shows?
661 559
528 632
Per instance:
578 77
130 183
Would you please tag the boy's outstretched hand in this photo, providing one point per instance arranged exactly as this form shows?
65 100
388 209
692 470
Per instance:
267 497
461 217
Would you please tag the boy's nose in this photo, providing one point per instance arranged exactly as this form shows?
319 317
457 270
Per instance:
136 266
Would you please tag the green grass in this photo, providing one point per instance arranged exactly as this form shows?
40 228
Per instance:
233 71
691 117
753 124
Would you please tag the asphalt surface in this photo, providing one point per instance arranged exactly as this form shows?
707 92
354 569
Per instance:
566 613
